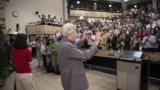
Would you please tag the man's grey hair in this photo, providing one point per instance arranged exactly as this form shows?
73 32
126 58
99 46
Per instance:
67 29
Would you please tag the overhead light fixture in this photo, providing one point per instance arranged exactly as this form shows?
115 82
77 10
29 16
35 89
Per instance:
78 2
95 3
125 0
110 5
135 6
81 17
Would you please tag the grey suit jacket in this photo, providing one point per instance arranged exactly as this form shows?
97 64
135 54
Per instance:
70 59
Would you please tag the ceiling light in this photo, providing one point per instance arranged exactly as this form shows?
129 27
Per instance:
135 6
110 5
125 0
81 17
78 2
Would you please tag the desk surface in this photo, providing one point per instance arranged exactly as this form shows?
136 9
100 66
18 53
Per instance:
111 62
154 56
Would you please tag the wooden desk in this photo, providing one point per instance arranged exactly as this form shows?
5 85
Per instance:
154 56
111 62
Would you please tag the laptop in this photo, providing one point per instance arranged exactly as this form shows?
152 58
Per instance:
131 55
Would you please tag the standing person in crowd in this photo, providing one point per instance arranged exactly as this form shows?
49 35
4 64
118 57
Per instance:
149 42
54 20
44 52
135 41
43 19
146 20
38 52
112 39
90 38
79 35
53 48
33 45
157 20
131 30
123 40
142 32
58 35
157 34
49 20
48 56
22 57
60 22
151 25
71 58
103 43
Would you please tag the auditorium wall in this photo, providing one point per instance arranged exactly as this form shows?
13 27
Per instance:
27 9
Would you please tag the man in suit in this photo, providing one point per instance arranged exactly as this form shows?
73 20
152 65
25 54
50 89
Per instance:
71 58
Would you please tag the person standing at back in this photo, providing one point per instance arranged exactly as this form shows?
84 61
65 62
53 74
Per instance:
22 57
38 51
71 58
53 48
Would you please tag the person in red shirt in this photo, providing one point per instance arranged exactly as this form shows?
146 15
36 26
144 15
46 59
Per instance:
142 32
22 57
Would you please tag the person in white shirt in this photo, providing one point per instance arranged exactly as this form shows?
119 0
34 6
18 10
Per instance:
151 25
116 30
79 35
60 22
103 22
58 35
43 50
149 41
38 51
157 20
90 38
54 20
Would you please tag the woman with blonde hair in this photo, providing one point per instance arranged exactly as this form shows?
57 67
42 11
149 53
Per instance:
103 42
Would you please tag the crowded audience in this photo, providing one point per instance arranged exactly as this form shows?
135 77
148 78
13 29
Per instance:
135 29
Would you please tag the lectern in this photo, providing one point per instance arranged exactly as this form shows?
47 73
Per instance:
130 74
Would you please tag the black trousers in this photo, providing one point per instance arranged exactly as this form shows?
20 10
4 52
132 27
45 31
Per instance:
44 61
33 51
15 84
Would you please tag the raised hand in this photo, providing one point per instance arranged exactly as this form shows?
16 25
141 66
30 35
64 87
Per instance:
98 38
83 36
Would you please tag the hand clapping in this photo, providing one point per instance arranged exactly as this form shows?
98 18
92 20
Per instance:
83 36
98 38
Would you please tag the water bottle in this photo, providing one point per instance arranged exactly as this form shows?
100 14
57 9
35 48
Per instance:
118 53
111 51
